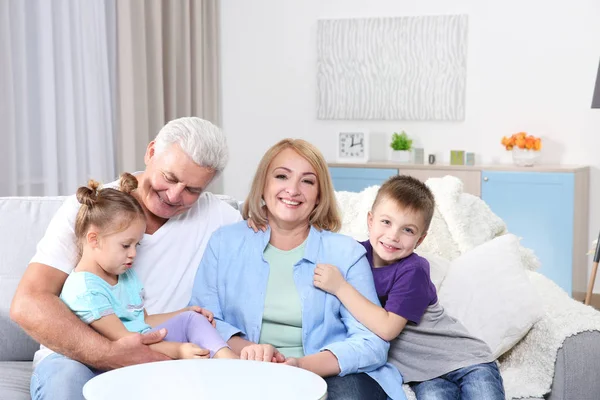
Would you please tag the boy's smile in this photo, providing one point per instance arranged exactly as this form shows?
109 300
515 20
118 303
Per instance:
394 232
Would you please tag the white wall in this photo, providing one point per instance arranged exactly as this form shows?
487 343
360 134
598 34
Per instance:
531 66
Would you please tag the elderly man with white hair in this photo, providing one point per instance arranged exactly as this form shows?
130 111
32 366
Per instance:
184 158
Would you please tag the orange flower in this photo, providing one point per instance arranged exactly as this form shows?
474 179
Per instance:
523 141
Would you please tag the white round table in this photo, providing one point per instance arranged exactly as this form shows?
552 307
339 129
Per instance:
207 380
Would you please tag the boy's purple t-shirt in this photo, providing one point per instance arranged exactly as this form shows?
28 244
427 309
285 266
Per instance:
404 287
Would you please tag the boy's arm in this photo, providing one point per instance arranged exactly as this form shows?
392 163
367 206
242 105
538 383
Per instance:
387 325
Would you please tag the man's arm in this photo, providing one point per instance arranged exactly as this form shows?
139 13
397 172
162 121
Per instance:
37 308
112 328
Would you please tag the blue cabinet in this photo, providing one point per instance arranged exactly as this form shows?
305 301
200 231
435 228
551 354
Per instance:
350 179
539 208
547 206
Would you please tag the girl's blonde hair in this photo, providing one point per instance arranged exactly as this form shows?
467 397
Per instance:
110 210
325 215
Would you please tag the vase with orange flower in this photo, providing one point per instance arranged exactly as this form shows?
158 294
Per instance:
526 149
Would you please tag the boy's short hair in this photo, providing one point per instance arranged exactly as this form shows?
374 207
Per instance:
408 192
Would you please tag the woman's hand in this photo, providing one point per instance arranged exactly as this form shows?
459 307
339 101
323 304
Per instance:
262 352
254 226
328 278
209 315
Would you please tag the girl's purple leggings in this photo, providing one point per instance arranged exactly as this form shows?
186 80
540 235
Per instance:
191 327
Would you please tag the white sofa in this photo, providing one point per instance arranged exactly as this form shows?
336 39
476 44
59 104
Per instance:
573 375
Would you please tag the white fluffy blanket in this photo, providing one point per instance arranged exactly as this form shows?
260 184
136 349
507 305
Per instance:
528 368
460 223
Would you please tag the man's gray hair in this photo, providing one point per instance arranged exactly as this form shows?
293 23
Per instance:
204 142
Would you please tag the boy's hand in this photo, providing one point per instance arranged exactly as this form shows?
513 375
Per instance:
328 277
190 350
254 226
208 314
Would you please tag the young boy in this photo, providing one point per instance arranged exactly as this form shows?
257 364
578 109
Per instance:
433 351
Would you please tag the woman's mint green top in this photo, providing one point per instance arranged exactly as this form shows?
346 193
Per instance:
282 317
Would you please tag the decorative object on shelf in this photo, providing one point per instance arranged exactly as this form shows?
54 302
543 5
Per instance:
418 155
470 159
420 63
401 146
524 157
431 159
353 147
526 149
457 157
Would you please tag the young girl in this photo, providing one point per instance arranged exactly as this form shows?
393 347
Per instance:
103 290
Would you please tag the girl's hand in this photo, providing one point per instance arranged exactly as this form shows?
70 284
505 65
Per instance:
292 361
254 227
328 278
262 352
190 350
208 314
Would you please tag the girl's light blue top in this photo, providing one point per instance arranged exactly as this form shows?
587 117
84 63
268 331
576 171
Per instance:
91 298
232 279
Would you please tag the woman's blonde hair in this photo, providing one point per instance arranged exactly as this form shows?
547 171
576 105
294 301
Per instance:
325 216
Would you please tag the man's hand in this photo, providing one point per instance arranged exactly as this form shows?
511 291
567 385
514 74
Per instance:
262 352
133 349
328 278
191 350
208 314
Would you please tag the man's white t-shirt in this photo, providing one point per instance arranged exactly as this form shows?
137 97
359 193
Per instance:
166 261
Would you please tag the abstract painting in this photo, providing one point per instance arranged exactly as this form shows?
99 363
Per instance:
401 68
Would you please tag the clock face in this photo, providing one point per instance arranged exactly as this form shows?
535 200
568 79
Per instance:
352 145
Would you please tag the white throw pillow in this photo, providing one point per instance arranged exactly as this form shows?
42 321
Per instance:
438 267
487 289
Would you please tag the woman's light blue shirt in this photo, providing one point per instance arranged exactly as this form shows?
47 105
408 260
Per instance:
232 279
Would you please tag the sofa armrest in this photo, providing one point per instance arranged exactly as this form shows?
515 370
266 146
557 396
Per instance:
15 344
576 368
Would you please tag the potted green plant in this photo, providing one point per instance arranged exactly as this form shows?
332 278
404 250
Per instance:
401 146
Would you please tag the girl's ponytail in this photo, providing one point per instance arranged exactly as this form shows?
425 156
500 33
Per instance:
128 183
88 195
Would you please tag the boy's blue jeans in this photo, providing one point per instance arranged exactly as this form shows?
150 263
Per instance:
59 377
477 382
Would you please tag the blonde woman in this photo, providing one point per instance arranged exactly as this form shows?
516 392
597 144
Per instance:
259 285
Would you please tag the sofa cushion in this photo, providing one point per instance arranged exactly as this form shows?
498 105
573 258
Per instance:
14 380
23 223
438 267
487 289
